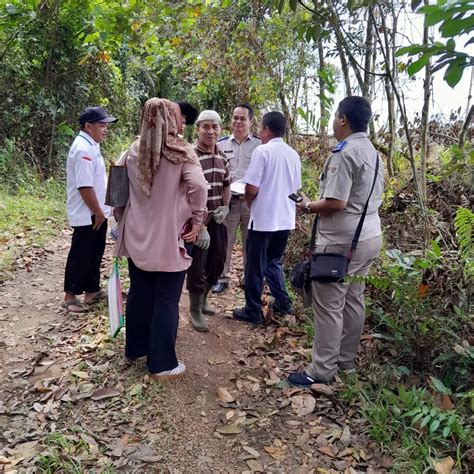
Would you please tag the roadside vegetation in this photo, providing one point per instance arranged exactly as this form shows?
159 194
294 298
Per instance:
414 394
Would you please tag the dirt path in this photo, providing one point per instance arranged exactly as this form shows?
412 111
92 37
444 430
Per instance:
70 402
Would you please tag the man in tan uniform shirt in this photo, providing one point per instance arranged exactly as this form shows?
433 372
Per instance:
238 149
346 181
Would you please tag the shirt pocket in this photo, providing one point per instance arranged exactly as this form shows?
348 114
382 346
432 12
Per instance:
247 158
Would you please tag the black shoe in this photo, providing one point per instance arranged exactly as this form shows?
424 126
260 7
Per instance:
302 379
241 315
220 287
280 309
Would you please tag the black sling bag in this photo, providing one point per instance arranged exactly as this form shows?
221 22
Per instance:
330 267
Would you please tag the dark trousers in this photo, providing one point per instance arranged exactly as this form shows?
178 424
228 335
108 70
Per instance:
208 264
84 259
152 317
264 253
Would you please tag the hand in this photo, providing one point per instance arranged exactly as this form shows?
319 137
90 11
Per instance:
118 213
98 221
301 206
204 239
220 214
192 234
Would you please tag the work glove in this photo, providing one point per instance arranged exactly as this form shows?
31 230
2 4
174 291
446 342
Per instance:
203 239
220 214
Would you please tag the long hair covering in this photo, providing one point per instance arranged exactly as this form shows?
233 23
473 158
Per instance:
160 138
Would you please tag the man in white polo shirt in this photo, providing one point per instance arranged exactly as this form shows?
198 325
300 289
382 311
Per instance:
86 209
274 173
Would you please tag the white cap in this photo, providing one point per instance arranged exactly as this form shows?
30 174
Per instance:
208 115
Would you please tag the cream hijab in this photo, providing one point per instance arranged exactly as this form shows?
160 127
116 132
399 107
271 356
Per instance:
160 138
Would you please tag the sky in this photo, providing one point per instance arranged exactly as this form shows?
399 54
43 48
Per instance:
444 99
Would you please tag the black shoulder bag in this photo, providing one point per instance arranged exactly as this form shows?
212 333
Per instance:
327 267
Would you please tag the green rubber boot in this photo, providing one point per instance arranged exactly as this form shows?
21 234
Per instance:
206 306
197 319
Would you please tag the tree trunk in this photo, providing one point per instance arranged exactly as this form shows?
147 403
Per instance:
425 115
345 68
323 127
392 124
369 39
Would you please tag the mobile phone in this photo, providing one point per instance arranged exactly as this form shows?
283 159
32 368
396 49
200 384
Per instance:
295 197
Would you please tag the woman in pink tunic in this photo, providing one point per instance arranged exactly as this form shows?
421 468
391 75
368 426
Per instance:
166 208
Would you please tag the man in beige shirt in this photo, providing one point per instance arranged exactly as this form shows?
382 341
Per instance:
238 149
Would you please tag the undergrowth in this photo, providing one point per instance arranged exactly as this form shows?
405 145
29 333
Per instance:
29 216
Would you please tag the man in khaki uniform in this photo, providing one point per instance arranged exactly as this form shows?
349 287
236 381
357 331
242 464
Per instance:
238 149
346 181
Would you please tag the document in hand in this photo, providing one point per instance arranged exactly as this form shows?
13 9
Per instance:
114 289
238 187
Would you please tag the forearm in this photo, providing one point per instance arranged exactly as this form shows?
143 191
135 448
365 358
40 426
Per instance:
326 207
250 194
226 195
89 197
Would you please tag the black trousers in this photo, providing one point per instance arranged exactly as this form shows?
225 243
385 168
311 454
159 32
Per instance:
264 253
208 264
83 262
152 317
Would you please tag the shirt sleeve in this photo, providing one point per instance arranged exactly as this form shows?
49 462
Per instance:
227 176
196 184
339 177
84 169
254 173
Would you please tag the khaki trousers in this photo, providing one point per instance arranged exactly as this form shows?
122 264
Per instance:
339 313
239 214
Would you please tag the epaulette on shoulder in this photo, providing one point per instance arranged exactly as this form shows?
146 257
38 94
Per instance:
223 138
339 146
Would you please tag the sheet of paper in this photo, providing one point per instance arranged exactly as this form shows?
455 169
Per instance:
238 187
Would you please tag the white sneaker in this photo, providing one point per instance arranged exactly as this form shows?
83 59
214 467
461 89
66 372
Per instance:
172 374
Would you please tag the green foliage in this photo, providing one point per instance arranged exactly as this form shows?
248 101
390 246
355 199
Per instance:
464 223
455 20
407 417
410 309
29 217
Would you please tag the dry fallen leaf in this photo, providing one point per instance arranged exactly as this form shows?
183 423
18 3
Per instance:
327 450
251 451
346 437
444 466
80 374
230 429
103 393
303 404
254 466
322 388
223 395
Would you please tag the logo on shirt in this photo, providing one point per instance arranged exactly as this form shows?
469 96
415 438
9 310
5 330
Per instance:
86 158
333 170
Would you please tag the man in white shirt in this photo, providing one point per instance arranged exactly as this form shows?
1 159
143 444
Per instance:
238 149
86 209
274 173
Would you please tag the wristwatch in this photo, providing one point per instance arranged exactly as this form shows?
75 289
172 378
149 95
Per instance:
306 208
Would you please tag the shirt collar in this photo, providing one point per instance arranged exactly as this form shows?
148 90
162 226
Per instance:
87 137
199 146
356 135
276 139
248 137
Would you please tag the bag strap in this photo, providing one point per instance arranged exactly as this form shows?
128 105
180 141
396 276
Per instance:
355 240
314 231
